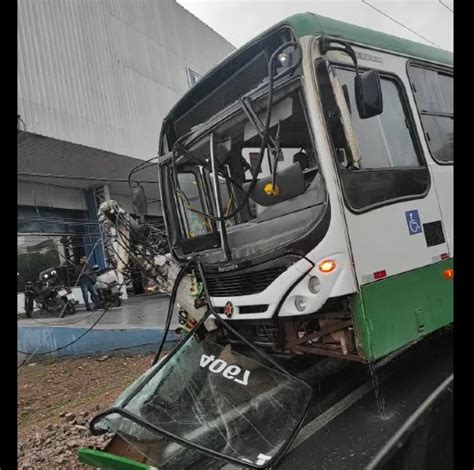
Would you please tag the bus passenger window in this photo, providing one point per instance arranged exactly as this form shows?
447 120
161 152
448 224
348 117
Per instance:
385 141
433 92
390 167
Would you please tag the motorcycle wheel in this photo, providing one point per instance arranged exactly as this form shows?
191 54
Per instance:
70 308
58 307
117 301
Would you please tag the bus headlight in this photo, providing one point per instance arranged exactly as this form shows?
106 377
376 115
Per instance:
314 285
300 304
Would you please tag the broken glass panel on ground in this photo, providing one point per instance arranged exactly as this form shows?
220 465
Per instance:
207 397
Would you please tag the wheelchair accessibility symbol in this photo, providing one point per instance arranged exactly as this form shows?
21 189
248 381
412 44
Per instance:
413 222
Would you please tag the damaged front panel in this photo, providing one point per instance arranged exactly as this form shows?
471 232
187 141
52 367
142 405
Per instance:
210 398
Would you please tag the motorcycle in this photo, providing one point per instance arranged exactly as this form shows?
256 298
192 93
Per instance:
49 295
106 285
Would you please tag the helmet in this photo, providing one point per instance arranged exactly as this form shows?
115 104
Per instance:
95 268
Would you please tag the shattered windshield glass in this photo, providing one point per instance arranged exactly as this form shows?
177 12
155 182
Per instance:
208 395
263 220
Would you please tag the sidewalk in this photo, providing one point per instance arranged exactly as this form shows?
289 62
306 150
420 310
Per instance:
136 312
137 327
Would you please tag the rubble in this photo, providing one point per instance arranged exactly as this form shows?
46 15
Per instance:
57 446
80 420
54 415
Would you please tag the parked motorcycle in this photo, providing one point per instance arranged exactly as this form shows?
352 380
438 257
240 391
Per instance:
49 295
107 287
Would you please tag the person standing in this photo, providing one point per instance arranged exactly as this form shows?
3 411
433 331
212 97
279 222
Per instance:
86 283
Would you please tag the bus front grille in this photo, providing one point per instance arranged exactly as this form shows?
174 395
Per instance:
243 284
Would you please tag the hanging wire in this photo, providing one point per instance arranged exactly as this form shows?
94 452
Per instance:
103 237
141 166
446 6
52 351
147 256
400 24
81 178
59 316
123 220
75 285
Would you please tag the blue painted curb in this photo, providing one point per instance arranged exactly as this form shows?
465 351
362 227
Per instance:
40 339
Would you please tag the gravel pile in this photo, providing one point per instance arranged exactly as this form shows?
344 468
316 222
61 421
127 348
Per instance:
57 445
58 398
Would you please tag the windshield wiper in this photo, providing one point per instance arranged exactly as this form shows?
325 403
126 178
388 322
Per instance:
273 146
254 119
265 134
258 125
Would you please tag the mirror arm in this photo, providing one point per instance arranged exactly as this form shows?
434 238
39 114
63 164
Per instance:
325 45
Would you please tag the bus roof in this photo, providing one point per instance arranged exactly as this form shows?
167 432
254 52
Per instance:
311 24
304 24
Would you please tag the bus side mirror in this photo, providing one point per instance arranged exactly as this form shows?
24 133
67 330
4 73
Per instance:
139 200
368 93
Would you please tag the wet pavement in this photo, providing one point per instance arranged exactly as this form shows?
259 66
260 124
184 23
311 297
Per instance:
136 312
353 438
332 439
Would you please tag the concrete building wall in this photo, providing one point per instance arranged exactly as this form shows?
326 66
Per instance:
104 73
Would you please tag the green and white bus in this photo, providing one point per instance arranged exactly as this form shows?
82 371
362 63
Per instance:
309 178
349 254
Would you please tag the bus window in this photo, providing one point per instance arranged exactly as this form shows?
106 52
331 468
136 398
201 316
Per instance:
391 167
196 223
384 140
433 92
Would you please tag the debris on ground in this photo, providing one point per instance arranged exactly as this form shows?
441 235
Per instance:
103 358
56 401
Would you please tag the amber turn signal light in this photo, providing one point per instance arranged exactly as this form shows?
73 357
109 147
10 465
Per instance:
327 266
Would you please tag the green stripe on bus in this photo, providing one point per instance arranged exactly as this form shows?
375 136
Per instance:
393 312
311 24
104 460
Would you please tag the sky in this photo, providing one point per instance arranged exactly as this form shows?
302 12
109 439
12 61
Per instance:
239 21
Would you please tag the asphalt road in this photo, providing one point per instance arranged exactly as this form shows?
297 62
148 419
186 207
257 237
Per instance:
351 439
346 425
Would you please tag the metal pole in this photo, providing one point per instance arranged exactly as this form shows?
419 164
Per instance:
106 192
217 195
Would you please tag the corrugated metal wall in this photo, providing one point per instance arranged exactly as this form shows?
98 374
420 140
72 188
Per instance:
47 195
104 73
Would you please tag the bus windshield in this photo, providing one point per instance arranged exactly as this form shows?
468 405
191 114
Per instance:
214 399
261 222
